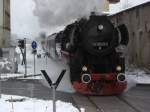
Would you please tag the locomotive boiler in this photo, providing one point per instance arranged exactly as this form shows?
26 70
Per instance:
95 50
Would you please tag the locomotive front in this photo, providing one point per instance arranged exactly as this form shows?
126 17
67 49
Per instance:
97 65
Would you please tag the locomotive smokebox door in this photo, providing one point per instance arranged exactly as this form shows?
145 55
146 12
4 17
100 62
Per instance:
99 36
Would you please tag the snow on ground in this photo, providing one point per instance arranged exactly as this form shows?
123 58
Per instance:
5 65
140 76
136 76
18 76
25 104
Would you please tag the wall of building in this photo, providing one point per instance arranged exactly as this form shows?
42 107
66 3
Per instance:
1 21
6 50
4 23
137 20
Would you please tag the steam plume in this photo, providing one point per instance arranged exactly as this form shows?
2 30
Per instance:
52 13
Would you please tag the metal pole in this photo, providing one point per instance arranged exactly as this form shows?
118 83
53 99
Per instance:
0 87
25 58
46 59
54 98
34 63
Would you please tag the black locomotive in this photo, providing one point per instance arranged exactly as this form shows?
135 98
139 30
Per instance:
94 47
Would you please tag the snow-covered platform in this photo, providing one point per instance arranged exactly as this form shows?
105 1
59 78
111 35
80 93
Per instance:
13 103
29 95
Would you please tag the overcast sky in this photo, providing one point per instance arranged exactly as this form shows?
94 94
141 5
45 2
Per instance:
30 17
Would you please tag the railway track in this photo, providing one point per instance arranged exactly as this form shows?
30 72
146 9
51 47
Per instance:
104 104
128 103
85 102
98 109
101 109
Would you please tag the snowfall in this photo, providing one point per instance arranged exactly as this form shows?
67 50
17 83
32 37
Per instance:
11 103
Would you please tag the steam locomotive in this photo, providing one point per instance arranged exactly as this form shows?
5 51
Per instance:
95 50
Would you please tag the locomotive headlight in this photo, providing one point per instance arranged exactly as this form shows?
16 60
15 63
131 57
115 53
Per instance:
118 68
84 68
100 27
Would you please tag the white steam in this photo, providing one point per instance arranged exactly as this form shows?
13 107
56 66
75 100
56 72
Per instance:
52 13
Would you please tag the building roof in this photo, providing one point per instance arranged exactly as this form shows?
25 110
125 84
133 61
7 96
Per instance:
131 8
